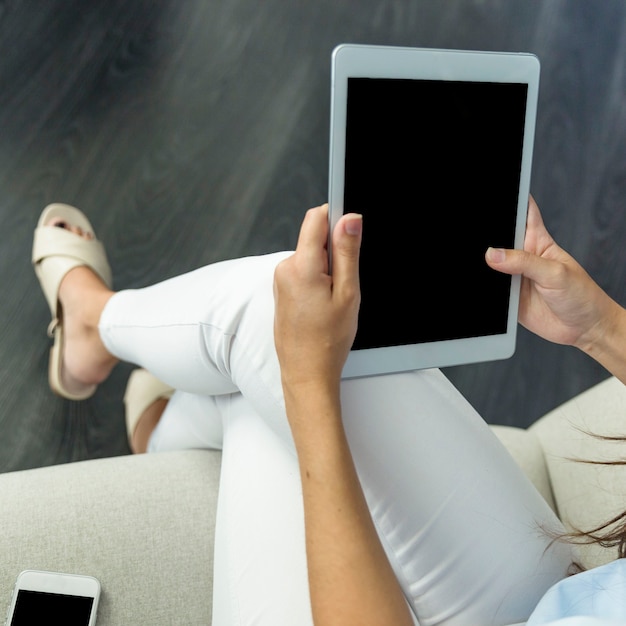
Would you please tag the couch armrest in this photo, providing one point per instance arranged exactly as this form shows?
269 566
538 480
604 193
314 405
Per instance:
525 448
587 495
143 525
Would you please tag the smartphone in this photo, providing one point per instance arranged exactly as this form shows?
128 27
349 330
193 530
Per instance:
41 597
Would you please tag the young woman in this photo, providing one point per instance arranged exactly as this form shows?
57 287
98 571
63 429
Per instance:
371 501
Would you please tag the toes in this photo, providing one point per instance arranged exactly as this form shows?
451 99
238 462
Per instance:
77 230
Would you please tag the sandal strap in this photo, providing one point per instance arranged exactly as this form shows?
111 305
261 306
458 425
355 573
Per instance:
57 251
52 327
142 389
50 241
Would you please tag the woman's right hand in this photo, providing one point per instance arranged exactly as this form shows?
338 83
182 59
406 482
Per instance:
559 301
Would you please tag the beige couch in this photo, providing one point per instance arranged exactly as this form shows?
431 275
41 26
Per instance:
144 525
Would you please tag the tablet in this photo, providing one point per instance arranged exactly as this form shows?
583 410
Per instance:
434 149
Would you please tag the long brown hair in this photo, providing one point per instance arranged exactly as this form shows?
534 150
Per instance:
611 533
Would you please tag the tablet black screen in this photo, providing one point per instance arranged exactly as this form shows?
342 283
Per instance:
434 167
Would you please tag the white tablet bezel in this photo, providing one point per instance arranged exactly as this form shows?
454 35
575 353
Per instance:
364 61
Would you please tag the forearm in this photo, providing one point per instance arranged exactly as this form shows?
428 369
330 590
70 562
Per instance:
606 342
350 579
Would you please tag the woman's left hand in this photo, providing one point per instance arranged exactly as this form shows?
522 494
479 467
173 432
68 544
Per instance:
316 313
314 327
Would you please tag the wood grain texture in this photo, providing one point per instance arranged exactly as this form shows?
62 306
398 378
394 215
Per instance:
195 131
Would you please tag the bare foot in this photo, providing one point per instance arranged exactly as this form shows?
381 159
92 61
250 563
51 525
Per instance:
82 296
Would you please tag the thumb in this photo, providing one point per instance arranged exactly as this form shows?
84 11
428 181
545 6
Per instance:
521 262
346 246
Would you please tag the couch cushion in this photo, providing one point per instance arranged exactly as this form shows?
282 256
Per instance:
525 448
587 495
143 525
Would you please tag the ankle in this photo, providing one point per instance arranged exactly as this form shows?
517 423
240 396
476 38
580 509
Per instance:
83 294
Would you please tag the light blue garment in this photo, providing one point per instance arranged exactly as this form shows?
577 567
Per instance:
596 597
585 621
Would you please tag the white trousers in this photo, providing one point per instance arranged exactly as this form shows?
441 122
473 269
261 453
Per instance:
468 536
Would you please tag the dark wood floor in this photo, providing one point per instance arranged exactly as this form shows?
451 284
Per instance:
193 131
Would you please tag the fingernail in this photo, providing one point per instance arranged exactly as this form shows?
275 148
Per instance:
354 225
496 255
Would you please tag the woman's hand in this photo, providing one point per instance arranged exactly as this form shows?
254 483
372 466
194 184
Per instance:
315 324
559 301
316 313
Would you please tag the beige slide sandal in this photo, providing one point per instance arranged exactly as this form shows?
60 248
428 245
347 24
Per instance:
56 251
142 390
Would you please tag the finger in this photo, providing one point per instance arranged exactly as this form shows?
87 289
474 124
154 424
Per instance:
543 271
346 244
312 241
537 239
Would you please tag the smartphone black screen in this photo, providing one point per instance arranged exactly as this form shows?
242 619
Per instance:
434 167
37 607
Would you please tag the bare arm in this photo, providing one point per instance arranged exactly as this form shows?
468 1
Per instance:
350 579
560 301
